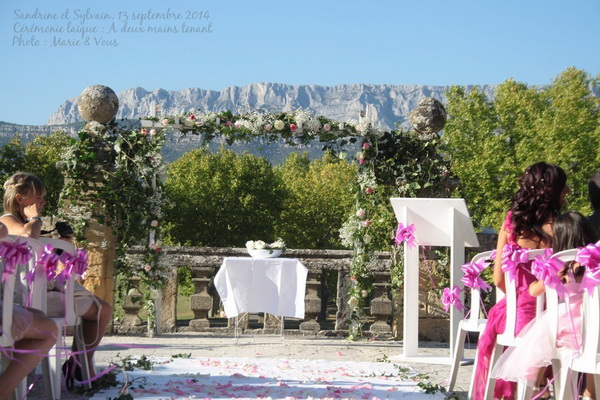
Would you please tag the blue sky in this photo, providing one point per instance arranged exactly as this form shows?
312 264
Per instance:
325 42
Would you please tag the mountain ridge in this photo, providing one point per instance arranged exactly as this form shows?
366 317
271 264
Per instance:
390 104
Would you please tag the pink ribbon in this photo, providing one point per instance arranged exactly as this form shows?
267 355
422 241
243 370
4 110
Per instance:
512 256
75 265
451 297
405 234
14 254
589 256
547 270
48 261
471 276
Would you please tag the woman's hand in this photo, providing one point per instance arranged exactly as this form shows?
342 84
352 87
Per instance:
33 210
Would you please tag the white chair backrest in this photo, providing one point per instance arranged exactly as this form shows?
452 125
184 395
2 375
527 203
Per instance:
8 288
511 301
476 293
552 299
70 315
591 328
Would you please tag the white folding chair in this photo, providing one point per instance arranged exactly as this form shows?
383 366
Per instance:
6 339
508 337
567 365
38 300
70 319
473 323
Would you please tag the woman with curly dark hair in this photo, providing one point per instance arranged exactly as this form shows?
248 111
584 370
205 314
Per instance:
528 225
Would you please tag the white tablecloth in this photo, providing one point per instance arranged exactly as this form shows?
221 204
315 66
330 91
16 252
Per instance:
272 285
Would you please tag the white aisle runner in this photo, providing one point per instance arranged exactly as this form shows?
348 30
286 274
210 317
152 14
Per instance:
264 378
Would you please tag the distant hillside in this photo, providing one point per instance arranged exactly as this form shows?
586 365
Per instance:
391 103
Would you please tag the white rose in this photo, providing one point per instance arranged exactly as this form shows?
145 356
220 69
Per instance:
250 244
279 125
259 245
353 302
154 295
268 127
278 244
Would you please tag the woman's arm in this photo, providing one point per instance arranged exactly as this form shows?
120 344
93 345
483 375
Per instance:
537 288
31 228
498 274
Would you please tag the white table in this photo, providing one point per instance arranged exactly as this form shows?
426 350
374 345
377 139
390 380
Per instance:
272 285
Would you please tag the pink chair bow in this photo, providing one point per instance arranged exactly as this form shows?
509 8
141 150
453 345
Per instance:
512 256
589 256
546 269
48 261
14 254
405 234
451 297
471 276
75 265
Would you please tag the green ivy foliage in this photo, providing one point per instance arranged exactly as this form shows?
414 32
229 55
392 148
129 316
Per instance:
39 157
319 197
221 199
490 142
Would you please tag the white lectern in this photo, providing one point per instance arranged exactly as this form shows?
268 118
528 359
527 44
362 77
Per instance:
438 222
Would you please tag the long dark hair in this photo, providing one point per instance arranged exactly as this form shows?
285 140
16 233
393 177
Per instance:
538 200
572 230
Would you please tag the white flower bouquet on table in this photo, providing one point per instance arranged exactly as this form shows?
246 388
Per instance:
260 249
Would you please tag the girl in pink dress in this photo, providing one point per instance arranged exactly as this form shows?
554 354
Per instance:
536 349
528 224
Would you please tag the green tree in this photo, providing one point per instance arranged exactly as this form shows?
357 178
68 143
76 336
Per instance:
41 158
12 159
490 142
320 196
221 199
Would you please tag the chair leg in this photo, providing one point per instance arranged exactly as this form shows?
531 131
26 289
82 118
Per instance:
457 354
524 390
556 373
47 376
82 355
566 386
472 384
55 366
491 382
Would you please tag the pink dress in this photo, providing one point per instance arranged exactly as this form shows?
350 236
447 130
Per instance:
526 305
536 349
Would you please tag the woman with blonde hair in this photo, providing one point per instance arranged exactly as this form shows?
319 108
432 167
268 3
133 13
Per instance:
24 200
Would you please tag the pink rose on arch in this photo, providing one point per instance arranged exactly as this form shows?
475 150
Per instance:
144 131
369 190
153 131
192 117
366 145
228 124
360 213
154 223
293 127
361 161
165 121
366 223
327 127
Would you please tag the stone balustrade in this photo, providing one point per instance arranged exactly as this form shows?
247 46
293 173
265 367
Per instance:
324 314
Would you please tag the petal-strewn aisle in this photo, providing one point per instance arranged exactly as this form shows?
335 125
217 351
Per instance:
258 378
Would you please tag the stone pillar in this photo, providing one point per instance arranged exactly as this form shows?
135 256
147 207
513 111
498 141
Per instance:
201 301
381 305
133 304
343 310
101 248
168 311
98 105
312 303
